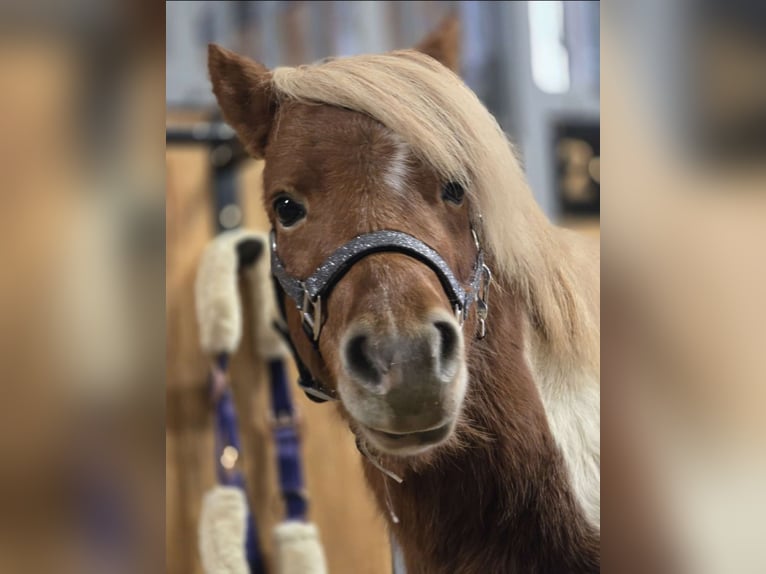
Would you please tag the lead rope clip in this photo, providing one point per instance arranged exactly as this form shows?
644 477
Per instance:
362 446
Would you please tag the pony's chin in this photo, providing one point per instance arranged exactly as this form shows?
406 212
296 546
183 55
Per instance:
410 443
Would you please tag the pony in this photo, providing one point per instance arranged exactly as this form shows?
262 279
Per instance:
495 438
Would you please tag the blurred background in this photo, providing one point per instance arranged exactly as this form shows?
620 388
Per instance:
82 325
535 65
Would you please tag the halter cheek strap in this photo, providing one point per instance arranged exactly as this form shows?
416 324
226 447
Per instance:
310 293
314 389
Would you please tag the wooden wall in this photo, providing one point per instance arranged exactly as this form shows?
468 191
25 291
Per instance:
351 529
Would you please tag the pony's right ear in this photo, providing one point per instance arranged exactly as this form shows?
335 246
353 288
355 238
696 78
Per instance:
244 93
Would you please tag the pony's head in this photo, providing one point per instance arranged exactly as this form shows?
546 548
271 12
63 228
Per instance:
392 345
389 142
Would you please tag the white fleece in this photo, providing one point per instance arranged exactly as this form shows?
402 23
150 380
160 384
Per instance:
222 529
268 342
298 550
219 310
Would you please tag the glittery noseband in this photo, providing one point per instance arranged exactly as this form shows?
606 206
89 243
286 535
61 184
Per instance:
310 293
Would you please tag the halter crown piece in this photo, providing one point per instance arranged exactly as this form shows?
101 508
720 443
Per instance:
310 293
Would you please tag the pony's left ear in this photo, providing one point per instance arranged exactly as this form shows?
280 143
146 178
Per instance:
443 44
245 95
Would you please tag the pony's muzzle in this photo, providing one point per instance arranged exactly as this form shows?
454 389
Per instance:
384 363
398 382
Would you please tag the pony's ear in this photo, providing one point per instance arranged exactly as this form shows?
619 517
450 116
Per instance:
245 96
443 44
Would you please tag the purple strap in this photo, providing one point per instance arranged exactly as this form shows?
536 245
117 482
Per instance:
287 443
228 435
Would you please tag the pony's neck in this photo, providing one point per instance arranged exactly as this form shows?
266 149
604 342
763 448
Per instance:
498 500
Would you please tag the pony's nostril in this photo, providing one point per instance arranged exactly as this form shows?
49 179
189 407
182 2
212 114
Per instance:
449 340
359 361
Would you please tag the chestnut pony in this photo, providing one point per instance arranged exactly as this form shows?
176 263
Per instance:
496 438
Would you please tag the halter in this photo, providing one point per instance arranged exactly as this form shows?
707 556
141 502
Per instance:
310 293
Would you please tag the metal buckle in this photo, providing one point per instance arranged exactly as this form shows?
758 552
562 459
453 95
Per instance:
312 313
482 300
284 420
459 314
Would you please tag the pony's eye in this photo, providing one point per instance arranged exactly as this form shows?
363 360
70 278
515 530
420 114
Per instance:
288 210
453 192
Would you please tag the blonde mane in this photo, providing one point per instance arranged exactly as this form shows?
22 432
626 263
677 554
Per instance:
446 124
